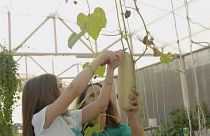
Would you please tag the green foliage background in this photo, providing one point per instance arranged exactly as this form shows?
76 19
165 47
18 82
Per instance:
8 88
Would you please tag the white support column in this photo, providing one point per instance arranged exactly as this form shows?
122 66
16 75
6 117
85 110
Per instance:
26 64
9 31
53 70
55 35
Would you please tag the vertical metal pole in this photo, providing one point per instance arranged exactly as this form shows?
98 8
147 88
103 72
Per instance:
55 35
26 64
9 30
53 71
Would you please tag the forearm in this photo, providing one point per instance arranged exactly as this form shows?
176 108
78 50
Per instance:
80 82
104 97
93 109
136 129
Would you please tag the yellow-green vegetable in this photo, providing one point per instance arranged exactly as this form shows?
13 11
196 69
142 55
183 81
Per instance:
126 82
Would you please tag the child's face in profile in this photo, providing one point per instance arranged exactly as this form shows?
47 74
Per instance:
92 94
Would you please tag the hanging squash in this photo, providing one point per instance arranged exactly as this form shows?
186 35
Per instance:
126 82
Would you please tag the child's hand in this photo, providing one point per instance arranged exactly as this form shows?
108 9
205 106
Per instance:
134 105
116 62
106 57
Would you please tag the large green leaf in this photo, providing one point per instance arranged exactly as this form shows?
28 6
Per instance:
95 22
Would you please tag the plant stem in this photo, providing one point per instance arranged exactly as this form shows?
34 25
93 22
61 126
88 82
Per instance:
125 29
137 10
118 20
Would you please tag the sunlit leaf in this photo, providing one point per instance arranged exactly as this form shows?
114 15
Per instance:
166 58
82 19
95 22
100 71
85 65
75 37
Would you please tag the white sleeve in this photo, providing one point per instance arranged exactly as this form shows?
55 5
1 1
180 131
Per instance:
77 116
38 121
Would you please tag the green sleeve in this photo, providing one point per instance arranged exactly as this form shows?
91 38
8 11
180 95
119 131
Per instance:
125 130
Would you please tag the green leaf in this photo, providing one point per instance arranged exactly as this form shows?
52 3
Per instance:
82 19
75 37
100 71
90 130
85 65
95 22
166 58
71 40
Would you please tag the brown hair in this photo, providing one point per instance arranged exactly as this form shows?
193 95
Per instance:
112 117
38 92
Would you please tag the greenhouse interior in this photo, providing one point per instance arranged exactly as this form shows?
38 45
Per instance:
166 73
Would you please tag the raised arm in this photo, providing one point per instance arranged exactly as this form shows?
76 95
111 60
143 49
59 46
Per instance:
102 100
75 88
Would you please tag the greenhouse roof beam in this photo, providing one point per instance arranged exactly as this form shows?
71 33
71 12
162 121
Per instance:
78 55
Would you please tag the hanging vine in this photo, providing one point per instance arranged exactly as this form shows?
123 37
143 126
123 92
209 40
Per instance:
8 89
201 116
182 64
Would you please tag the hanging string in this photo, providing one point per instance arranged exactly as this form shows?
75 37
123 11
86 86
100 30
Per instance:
181 63
157 104
164 101
141 109
153 104
145 95
201 117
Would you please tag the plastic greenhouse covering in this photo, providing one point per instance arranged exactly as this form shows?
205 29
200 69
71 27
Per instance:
38 32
